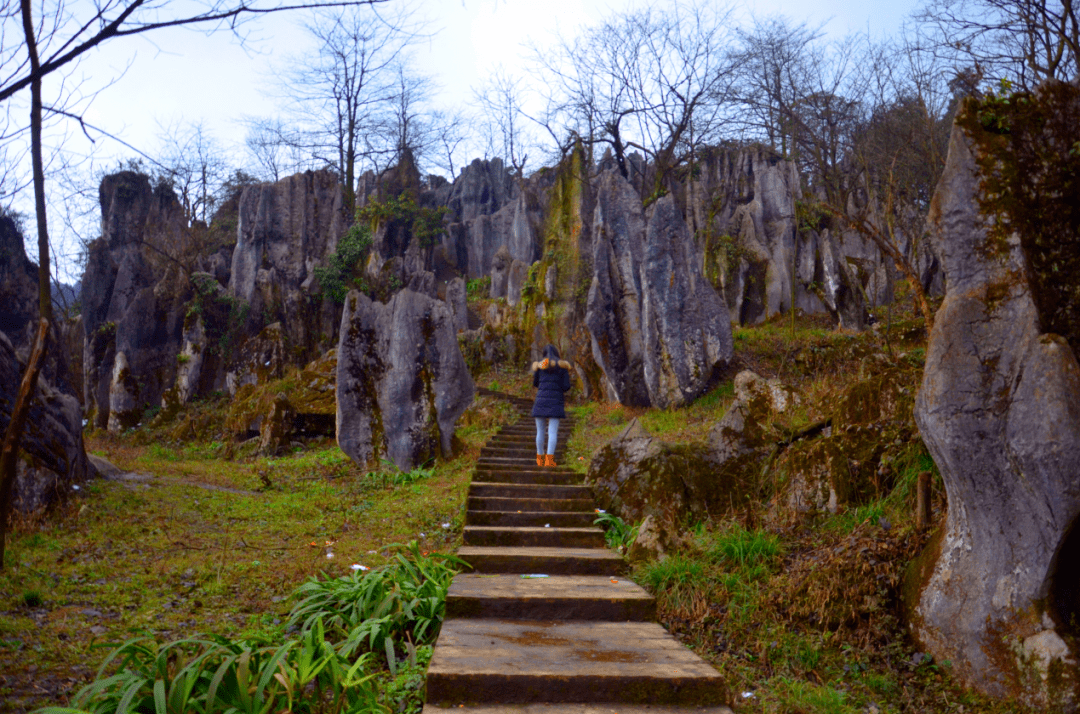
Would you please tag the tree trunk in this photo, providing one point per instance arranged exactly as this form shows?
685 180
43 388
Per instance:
865 228
13 434
10 450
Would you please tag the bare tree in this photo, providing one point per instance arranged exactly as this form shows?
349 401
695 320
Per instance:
449 132
273 147
772 79
1025 41
409 115
195 167
504 125
653 80
805 96
340 92
60 36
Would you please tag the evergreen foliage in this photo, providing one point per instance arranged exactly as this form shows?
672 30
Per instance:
342 270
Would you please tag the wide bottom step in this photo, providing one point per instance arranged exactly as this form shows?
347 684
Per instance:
601 708
520 662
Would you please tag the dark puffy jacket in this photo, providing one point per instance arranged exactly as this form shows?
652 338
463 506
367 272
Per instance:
550 385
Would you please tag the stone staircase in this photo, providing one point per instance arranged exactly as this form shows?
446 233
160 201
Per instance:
581 639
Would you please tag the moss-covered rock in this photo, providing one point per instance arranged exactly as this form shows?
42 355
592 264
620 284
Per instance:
276 427
637 475
847 463
308 391
262 359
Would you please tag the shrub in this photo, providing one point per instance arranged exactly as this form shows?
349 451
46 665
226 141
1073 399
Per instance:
340 273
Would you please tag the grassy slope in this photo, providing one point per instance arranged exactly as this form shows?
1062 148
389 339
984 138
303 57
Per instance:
205 545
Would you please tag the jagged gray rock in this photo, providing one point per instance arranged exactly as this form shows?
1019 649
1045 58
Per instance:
18 287
613 308
839 288
52 458
284 230
749 195
744 204
657 328
500 272
481 189
133 296
457 301
482 218
515 281
999 410
686 328
402 382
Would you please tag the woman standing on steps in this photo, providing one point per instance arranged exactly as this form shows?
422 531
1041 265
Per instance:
551 377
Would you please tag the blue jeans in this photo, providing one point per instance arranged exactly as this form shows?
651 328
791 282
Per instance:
552 435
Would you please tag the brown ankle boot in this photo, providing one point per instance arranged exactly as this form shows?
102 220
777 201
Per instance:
549 460
539 459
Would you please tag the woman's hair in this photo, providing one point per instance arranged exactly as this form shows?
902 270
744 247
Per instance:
551 352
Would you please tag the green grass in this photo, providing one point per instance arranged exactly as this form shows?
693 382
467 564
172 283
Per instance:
742 548
343 626
793 695
206 546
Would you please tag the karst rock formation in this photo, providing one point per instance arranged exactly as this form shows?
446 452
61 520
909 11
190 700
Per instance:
999 410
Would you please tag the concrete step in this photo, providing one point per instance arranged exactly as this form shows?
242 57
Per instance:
517 442
525 452
586 505
528 490
520 662
530 430
599 708
535 475
556 519
563 597
485 463
523 465
545 561
534 536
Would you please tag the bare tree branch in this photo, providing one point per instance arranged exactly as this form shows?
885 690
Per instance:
140 16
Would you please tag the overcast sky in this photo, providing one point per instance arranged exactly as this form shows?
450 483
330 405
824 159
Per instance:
185 76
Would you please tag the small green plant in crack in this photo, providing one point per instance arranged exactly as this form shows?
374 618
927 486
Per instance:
617 533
